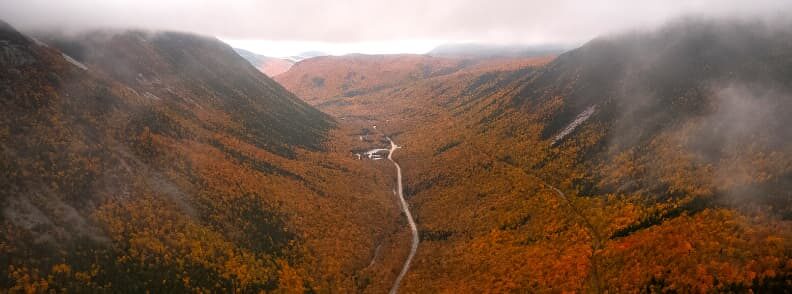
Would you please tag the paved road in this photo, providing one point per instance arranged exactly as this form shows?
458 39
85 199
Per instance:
406 209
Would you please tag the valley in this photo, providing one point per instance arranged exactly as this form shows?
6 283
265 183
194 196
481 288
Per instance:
584 172
648 161
155 167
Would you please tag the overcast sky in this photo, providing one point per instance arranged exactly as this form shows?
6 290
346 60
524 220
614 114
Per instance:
286 27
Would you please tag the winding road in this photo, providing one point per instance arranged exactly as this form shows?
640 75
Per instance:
406 208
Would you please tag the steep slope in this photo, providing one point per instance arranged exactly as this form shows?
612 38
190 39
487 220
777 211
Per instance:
149 61
270 66
650 161
709 86
137 161
653 160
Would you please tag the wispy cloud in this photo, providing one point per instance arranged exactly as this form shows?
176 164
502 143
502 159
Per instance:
361 21
375 26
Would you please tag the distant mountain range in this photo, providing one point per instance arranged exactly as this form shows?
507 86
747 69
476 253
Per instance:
306 55
652 161
329 78
481 50
271 66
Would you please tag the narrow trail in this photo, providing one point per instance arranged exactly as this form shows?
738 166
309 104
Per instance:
406 208
597 240
596 236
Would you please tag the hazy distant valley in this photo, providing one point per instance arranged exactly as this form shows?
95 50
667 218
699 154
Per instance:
646 161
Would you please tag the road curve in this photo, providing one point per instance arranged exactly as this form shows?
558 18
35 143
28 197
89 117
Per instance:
406 209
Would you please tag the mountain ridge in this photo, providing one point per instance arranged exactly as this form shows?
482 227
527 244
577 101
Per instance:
600 169
271 66
656 160
138 161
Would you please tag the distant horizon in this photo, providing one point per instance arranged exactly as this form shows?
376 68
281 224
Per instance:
286 49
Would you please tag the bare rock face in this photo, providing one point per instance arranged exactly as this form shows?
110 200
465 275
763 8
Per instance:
13 48
14 55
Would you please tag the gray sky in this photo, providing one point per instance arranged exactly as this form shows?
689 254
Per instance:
287 27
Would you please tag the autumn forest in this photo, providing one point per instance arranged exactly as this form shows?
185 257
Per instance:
646 161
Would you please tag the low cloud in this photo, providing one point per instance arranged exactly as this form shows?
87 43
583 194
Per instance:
347 21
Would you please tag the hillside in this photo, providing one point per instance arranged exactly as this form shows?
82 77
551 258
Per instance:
334 79
648 161
335 76
270 66
649 138
652 138
156 161
476 50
